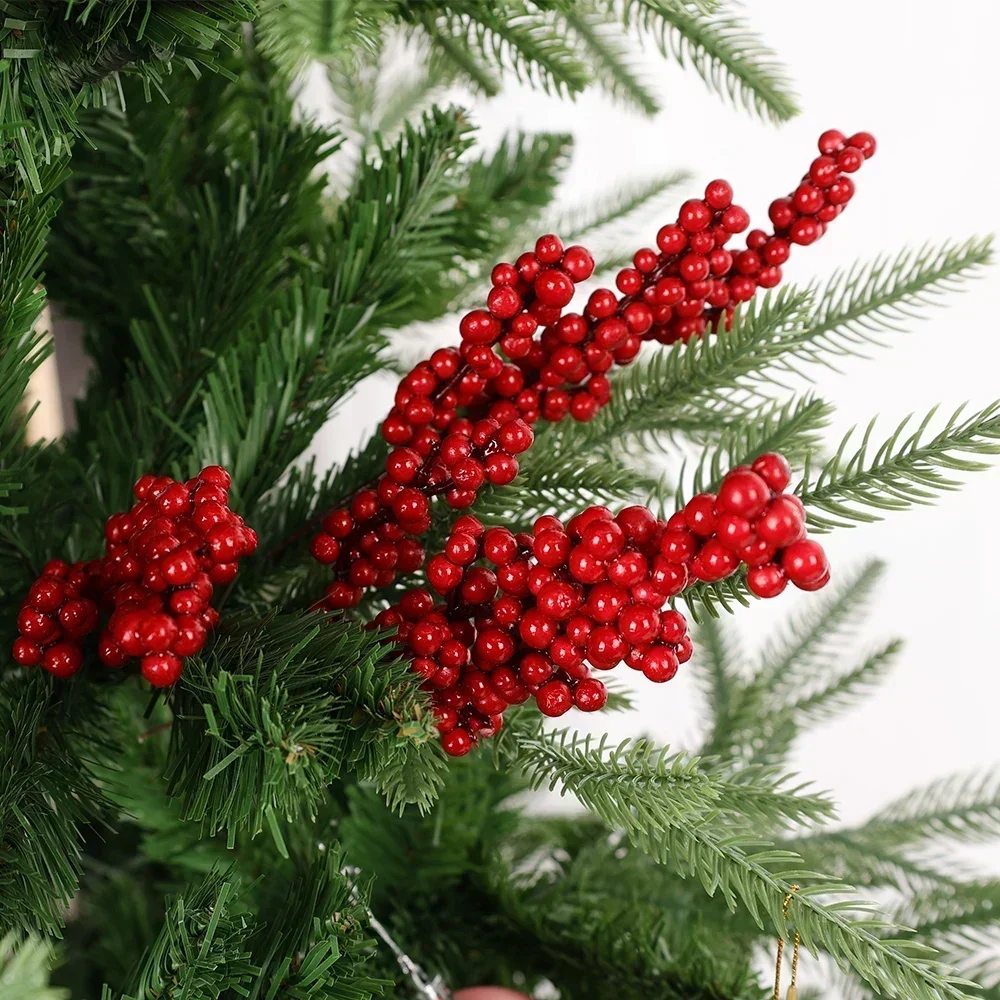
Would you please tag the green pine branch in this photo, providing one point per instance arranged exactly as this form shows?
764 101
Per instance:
679 831
281 707
792 428
858 304
609 57
908 468
24 969
59 58
48 795
964 808
722 50
519 39
25 217
802 657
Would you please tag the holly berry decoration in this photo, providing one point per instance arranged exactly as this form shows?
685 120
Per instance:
533 615
163 560
462 418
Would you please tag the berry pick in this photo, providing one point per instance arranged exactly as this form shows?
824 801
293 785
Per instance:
532 615
163 560
462 417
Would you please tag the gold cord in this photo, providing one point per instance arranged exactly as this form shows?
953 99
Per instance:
792 989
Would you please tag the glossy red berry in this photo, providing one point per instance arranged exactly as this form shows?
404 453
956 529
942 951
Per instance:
804 562
590 695
554 698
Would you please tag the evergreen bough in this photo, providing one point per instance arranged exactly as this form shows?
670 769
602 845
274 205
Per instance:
195 846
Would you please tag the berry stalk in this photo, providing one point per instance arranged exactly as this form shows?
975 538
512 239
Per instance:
461 418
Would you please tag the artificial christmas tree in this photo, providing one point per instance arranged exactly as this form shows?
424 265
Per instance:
231 833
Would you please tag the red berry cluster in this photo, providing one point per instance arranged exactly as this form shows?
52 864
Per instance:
699 282
437 451
750 521
163 560
547 608
60 609
461 417
532 614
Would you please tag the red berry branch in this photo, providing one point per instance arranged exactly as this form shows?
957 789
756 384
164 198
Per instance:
463 416
162 562
534 614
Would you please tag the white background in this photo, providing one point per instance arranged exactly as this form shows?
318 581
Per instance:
921 77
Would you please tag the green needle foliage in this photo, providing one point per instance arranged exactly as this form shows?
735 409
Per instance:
240 273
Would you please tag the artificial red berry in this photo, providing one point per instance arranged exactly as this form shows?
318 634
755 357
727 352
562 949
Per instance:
554 698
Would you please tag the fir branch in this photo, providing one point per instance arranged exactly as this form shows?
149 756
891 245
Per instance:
204 944
651 395
293 32
59 59
609 57
25 217
792 429
859 303
281 707
777 731
625 200
452 47
806 651
517 38
24 969
721 49
812 643
679 831
48 794
907 469
963 808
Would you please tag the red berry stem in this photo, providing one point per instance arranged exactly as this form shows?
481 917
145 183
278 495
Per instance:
163 560
462 417
534 614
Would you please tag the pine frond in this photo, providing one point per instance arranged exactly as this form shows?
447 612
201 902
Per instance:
858 304
609 57
651 395
680 832
24 969
279 708
48 795
518 39
963 808
717 667
907 469
777 731
25 216
292 33
811 645
721 49
803 656
580 221
59 59
792 428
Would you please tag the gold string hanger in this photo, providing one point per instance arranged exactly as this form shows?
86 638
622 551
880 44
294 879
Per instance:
793 993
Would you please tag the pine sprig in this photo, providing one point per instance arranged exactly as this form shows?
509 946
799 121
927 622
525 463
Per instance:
963 808
856 305
609 57
792 429
279 708
24 969
518 38
907 469
61 58
680 832
724 52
